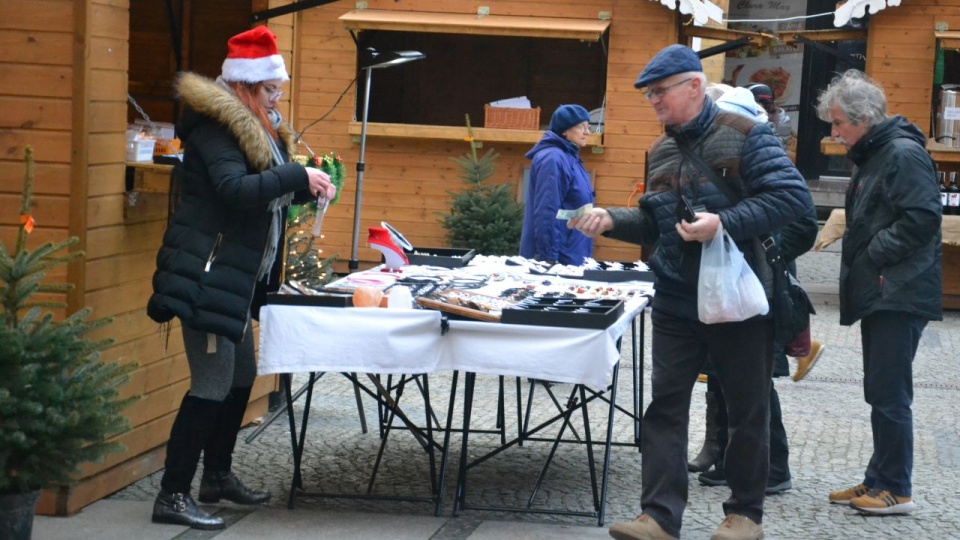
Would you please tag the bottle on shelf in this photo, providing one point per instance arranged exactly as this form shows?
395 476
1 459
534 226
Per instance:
953 194
942 178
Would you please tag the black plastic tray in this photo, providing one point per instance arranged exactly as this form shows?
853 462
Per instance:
322 300
443 257
616 276
565 312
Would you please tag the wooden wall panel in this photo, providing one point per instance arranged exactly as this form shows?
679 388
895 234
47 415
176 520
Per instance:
39 15
901 52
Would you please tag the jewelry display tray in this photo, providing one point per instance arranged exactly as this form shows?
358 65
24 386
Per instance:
443 257
564 312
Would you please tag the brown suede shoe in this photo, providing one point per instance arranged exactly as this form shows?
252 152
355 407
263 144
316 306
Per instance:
642 528
737 527
845 495
806 363
881 501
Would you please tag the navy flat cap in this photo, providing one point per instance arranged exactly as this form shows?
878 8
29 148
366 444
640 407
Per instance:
669 61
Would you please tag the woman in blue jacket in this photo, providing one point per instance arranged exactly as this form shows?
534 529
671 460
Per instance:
557 181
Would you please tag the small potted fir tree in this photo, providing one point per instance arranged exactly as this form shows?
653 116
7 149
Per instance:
58 401
483 217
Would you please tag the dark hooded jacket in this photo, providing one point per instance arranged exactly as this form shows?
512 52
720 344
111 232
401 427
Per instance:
748 156
215 241
557 180
891 247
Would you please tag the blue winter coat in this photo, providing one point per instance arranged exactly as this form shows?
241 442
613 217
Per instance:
557 180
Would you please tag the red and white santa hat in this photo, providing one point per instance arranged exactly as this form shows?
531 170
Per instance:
252 57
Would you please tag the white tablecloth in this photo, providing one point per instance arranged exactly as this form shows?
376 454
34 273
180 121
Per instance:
296 339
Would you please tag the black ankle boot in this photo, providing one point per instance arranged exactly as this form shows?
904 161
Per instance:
180 509
711 449
225 485
713 477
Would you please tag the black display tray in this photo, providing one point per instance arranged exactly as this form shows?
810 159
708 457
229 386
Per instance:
322 300
565 312
616 276
443 257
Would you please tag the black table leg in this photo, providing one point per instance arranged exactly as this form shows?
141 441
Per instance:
460 496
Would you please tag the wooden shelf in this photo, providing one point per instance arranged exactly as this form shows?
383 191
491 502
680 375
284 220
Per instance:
949 39
940 153
457 133
830 147
150 166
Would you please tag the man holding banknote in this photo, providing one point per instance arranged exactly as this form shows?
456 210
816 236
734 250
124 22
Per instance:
702 146
559 189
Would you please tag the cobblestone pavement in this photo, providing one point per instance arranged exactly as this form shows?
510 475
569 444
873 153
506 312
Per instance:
827 422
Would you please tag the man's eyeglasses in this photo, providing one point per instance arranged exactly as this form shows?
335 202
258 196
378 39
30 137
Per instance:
273 93
662 91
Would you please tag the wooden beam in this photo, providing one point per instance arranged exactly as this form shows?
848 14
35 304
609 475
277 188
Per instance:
821 36
726 34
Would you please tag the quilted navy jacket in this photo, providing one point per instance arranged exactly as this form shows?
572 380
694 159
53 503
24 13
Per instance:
748 156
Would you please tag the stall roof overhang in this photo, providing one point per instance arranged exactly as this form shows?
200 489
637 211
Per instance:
854 9
700 10
488 25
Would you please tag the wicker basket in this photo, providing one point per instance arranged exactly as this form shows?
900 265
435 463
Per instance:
503 117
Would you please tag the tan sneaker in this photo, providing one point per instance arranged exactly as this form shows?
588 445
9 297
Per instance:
737 527
806 363
642 528
845 495
880 501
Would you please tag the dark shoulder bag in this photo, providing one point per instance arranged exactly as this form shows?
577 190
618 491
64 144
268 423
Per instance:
790 304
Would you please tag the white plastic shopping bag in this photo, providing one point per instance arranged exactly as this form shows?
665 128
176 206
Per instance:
728 290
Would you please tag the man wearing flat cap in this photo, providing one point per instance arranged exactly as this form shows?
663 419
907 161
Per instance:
749 158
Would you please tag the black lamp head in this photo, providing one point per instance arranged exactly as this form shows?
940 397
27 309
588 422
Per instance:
371 59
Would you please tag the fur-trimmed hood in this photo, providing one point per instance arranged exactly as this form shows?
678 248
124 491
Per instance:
206 98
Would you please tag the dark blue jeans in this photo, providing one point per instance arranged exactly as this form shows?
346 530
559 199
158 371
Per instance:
890 340
742 356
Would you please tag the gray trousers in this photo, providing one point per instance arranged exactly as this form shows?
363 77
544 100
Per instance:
214 373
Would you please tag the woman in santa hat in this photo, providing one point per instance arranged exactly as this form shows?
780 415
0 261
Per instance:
221 253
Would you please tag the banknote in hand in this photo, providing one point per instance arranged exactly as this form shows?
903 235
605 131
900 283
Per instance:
570 214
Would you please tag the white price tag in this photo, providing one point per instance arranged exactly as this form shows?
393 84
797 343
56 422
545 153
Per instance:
951 113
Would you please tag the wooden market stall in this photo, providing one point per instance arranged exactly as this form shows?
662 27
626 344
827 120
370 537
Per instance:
67 75
70 66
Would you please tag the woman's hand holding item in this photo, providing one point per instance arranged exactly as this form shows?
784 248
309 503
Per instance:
320 183
593 223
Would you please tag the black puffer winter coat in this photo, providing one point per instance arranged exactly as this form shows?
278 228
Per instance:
212 250
891 247
747 155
